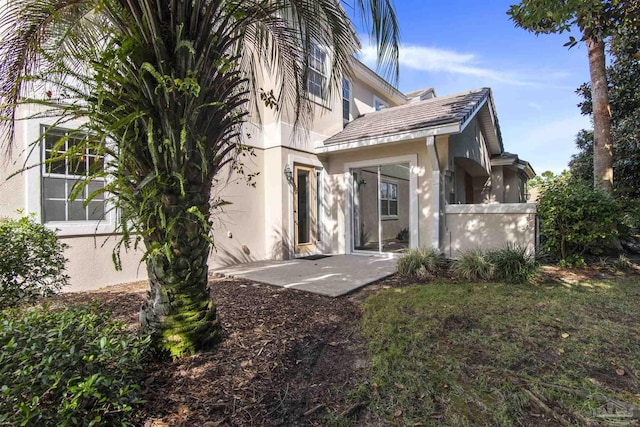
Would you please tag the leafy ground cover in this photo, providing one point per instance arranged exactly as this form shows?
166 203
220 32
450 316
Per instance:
396 353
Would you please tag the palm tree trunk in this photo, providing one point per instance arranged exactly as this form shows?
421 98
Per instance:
602 137
179 312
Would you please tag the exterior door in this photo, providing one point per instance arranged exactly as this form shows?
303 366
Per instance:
304 210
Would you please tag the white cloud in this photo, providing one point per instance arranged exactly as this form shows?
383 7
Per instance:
430 59
535 106
548 145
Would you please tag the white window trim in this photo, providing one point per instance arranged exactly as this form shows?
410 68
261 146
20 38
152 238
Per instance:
324 102
31 131
381 101
345 121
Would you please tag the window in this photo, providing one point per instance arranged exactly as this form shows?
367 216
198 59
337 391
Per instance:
346 101
379 104
316 79
388 199
59 177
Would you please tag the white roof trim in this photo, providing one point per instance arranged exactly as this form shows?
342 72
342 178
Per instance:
451 128
371 78
503 162
474 113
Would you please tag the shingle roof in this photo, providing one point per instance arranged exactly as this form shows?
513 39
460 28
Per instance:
412 116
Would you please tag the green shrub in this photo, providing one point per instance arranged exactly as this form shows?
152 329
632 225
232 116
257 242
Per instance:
512 264
421 263
631 216
31 261
71 366
573 261
473 265
577 219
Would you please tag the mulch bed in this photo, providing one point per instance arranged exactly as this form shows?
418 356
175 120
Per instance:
287 357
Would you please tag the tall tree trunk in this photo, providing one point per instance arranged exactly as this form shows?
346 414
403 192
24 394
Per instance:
602 138
179 312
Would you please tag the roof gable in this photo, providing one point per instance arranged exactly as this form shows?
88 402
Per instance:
416 116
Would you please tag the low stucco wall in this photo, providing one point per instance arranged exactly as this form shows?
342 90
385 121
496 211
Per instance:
489 226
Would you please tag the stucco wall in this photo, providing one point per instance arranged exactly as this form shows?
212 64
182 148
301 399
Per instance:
489 226
12 191
90 263
470 144
239 227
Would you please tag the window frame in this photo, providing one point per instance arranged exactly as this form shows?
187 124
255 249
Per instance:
388 200
347 99
381 102
30 131
317 55
68 177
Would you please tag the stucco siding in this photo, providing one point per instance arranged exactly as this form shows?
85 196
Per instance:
90 264
489 226
238 227
12 191
471 145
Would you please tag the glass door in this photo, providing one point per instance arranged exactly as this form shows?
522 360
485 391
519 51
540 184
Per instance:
304 208
380 208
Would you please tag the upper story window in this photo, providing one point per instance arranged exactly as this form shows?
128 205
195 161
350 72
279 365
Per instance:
317 73
379 104
60 175
388 199
346 101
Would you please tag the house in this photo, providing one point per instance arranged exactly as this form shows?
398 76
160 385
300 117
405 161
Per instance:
376 171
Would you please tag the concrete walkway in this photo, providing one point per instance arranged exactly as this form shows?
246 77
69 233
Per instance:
332 276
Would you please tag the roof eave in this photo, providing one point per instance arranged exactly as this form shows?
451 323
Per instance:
442 129
371 78
526 167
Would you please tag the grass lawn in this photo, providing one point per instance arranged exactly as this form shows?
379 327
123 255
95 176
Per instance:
495 354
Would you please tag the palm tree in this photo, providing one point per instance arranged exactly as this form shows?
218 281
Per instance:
165 87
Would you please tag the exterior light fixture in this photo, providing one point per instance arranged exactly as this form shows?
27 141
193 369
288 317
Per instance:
288 173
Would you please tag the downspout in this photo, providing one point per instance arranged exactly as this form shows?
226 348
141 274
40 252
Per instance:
432 154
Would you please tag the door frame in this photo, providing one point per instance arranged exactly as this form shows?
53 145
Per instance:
310 247
313 162
414 232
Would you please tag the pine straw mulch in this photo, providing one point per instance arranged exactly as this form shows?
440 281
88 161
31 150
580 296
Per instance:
287 357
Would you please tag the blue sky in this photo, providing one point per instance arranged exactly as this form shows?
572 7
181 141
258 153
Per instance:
459 45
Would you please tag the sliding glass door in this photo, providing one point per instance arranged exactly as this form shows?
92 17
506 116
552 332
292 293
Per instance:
380 208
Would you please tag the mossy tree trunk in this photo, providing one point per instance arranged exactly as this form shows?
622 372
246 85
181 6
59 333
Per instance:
179 312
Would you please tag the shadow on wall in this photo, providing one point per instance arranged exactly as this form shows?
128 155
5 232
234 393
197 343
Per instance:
469 231
223 257
334 211
281 249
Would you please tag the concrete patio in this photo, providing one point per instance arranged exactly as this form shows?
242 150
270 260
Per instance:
331 276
